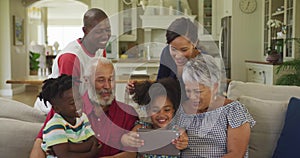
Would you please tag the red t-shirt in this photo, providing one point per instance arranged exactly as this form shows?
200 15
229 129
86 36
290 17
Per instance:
69 64
119 119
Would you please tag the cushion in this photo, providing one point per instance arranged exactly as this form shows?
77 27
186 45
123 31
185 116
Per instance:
269 116
17 137
16 110
288 143
262 91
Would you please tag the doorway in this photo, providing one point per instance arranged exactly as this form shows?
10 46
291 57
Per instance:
52 24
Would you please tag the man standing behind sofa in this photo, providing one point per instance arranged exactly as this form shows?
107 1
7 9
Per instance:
109 118
74 58
77 55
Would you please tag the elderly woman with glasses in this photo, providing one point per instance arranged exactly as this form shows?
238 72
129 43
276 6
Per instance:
216 126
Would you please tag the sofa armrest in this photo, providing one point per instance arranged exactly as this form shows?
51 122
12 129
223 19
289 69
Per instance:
19 111
17 137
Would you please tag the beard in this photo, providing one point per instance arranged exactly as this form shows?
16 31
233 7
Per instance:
95 96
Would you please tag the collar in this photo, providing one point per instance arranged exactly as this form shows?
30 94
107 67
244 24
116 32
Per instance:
79 40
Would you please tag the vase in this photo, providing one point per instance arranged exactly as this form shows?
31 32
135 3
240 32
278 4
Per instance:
273 57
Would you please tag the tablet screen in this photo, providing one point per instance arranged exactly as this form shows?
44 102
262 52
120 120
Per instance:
158 142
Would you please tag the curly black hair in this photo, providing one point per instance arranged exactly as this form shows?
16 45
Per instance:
144 91
54 87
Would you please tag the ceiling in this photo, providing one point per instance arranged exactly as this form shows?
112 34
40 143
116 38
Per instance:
62 9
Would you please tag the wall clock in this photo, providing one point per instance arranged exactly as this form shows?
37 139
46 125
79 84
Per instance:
248 6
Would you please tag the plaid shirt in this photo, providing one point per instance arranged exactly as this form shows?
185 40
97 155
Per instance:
207 131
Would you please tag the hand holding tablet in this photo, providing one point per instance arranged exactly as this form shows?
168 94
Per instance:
158 142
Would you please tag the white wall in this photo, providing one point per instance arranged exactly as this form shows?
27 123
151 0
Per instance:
5 41
19 54
14 59
246 39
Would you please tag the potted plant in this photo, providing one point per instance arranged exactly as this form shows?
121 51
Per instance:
293 69
292 78
274 52
34 62
273 56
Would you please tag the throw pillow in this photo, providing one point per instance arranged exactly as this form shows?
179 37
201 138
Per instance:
269 116
288 143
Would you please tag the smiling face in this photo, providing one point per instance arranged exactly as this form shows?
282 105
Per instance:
98 34
182 50
199 96
104 84
68 104
161 111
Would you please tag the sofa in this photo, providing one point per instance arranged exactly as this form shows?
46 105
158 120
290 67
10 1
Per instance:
268 105
20 123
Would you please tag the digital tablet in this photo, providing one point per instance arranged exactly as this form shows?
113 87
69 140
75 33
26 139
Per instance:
158 142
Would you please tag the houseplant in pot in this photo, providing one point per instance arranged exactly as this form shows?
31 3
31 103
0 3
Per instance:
274 52
291 69
273 56
34 62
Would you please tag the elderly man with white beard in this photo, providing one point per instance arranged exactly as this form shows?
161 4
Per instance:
109 118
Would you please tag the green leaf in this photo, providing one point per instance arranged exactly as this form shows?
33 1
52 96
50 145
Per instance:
33 60
289 65
288 79
292 78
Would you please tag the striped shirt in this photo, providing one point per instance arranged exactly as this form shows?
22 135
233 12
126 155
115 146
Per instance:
58 131
207 132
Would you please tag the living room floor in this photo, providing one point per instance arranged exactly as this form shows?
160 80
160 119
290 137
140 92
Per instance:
28 96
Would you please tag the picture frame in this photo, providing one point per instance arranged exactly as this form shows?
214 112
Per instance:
18 26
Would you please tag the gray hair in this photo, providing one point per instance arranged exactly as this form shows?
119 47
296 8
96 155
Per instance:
203 69
89 84
93 65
